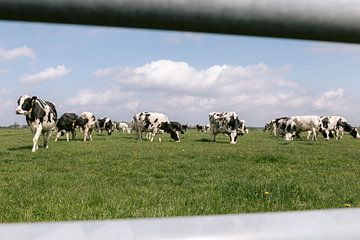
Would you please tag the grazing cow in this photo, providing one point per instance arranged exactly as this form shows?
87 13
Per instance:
225 122
40 115
177 127
123 127
104 123
68 122
271 126
297 124
277 126
242 127
153 123
200 127
89 126
335 125
185 127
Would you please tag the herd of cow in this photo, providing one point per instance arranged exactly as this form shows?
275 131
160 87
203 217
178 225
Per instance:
41 116
328 126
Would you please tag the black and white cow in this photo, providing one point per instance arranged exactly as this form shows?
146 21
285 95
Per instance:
277 126
124 127
41 116
68 122
177 127
335 125
297 124
200 127
155 124
89 126
104 123
224 122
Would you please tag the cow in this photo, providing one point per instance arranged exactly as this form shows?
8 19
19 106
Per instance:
297 124
242 127
277 126
104 123
177 127
68 122
271 126
335 126
185 127
200 127
154 123
224 122
40 115
124 127
89 126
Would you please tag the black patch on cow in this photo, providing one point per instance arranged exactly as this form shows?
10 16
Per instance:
168 128
147 120
347 127
177 127
27 104
234 123
156 120
326 122
67 122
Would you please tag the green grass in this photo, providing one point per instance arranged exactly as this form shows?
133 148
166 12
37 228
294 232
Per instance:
120 177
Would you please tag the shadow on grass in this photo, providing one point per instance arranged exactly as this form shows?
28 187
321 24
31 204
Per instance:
29 147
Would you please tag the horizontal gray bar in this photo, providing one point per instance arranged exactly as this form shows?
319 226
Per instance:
330 224
331 20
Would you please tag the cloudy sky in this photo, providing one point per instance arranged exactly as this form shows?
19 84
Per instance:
117 72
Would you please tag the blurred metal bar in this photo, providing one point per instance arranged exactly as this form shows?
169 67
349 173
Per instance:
330 20
330 224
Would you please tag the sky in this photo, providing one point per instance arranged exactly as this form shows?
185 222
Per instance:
117 72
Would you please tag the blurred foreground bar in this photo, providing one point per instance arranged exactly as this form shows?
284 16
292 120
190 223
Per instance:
330 20
323 224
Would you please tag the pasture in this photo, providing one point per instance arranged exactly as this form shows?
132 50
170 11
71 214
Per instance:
119 177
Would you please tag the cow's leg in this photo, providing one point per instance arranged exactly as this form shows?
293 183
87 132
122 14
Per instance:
37 133
314 134
85 131
308 136
46 138
72 134
90 134
67 136
233 135
57 135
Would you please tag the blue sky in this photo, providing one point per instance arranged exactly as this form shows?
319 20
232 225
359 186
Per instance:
117 72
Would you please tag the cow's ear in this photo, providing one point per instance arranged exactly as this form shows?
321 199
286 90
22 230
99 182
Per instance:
34 98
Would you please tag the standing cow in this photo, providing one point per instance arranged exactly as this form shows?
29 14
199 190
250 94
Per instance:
297 124
89 126
104 123
225 122
155 124
124 127
40 115
68 122
335 125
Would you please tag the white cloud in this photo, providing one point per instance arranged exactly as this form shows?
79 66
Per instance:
90 98
104 72
9 55
329 99
257 93
45 75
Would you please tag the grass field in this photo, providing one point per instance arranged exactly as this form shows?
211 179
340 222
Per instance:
120 177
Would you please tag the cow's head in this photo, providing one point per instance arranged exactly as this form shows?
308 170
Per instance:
354 133
25 104
167 128
81 121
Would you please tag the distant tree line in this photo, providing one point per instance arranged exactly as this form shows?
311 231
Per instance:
16 126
